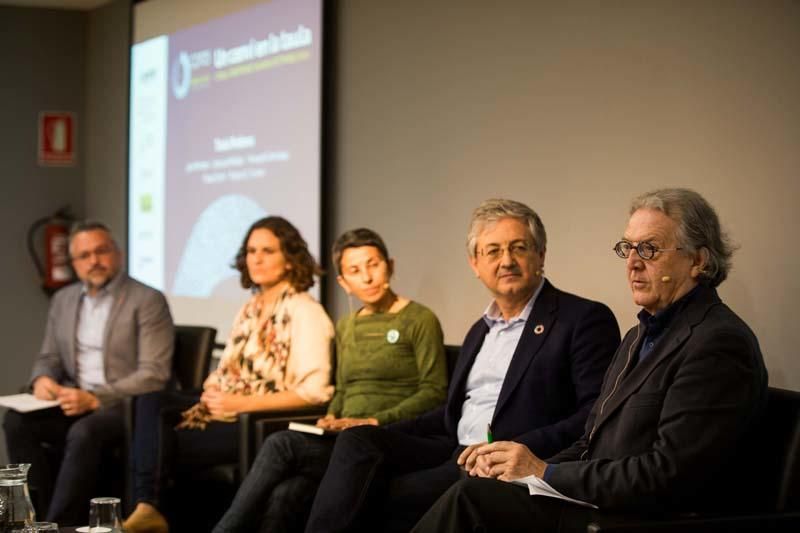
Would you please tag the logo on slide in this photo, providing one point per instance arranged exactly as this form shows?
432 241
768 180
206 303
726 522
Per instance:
181 76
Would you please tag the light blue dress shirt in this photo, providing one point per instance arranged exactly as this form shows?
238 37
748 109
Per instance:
489 370
92 318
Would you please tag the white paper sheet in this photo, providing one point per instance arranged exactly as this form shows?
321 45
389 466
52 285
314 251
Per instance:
25 403
539 487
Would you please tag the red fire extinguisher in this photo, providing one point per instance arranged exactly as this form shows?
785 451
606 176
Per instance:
55 270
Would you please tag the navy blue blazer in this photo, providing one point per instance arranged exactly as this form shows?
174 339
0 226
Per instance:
552 382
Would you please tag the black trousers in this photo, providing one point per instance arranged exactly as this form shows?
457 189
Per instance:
382 480
160 452
280 487
82 443
486 505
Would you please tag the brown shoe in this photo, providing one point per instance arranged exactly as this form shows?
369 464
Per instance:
145 519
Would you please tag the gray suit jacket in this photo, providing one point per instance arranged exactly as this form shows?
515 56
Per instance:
663 435
138 340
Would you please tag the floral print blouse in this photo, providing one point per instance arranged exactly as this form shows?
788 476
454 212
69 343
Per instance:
284 347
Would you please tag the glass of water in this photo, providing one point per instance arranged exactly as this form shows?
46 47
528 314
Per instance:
104 515
42 527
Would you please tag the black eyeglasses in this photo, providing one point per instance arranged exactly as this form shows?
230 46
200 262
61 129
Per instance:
646 250
100 251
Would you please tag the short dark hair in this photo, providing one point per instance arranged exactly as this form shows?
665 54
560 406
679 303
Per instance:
356 238
294 249
90 225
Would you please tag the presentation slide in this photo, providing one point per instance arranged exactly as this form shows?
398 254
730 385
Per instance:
224 129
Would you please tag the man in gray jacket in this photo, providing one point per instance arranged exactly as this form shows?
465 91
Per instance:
108 336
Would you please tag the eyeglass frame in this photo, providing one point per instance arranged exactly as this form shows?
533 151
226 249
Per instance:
638 247
516 249
101 251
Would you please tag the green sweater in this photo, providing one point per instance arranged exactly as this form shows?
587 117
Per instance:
389 366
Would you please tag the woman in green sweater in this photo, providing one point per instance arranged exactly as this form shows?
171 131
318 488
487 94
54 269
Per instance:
390 366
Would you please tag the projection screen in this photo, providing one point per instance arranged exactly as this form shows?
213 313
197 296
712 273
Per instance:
225 128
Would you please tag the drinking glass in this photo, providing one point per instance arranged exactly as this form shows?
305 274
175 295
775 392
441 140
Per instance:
104 515
43 527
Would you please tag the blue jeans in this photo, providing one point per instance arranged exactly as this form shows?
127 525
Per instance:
277 492
159 450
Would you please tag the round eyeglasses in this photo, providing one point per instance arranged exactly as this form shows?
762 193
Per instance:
646 250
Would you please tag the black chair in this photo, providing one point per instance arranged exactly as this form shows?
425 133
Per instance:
768 474
190 363
261 425
451 352
254 428
192 356
191 359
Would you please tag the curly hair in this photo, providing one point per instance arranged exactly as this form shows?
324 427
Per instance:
294 249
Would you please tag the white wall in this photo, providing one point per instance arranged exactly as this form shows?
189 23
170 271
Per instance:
573 108
41 51
107 67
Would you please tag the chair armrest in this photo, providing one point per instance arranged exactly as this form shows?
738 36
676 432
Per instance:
128 404
753 522
265 427
251 436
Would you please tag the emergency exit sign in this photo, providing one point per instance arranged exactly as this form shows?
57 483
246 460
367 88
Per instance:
57 138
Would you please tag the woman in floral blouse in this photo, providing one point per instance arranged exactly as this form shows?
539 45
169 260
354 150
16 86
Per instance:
390 366
277 357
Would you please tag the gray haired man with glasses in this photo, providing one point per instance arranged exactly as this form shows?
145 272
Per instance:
680 397
107 336
529 371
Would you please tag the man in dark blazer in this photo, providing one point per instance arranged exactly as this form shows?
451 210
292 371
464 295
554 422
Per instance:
680 397
107 336
529 370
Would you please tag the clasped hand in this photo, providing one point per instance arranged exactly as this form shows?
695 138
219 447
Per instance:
222 404
503 460
331 423
73 402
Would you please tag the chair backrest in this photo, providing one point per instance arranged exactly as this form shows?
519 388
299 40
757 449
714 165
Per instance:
192 356
783 432
773 455
451 351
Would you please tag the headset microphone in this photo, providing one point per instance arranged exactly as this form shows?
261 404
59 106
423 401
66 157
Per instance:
666 279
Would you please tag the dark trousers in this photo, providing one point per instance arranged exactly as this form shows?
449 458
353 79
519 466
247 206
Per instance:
82 443
278 490
382 480
484 505
160 451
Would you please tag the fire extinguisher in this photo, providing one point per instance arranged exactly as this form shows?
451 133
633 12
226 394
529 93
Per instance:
55 270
